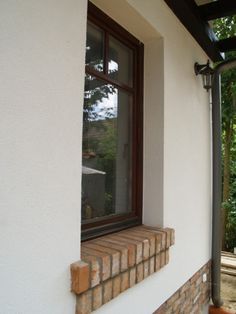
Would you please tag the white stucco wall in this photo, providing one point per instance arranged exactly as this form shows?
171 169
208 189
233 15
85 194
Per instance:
183 137
42 46
41 84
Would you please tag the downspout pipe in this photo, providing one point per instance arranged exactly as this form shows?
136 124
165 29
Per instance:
217 179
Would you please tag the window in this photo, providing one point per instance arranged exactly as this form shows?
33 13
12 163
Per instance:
112 128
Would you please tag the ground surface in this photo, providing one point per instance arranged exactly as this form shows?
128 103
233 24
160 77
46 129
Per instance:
228 291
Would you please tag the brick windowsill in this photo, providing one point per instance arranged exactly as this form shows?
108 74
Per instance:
113 263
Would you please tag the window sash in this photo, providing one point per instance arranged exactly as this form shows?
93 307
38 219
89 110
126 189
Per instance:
103 225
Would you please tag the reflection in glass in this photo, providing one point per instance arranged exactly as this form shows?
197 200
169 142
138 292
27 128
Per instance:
106 171
94 47
120 66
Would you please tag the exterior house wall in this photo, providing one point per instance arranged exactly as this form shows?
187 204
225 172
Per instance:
43 45
41 91
181 142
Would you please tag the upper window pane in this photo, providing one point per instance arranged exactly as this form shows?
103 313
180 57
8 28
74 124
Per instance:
95 47
120 66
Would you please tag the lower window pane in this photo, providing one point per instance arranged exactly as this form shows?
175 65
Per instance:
107 147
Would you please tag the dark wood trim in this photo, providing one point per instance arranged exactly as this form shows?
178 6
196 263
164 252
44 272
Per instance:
228 44
139 129
103 225
99 231
217 9
188 13
108 79
107 23
91 223
106 53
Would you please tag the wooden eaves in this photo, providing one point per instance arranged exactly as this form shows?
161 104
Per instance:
195 18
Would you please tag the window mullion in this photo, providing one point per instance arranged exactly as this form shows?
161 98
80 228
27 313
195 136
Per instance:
106 52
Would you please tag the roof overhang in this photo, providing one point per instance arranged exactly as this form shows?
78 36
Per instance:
195 18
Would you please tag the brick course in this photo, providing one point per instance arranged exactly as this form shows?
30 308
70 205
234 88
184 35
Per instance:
97 297
80 273
116 262
191 297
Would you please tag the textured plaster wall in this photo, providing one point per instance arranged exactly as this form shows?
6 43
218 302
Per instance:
42 46
41 85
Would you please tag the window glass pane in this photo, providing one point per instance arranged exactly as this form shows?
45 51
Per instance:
120 66
94 47
106 170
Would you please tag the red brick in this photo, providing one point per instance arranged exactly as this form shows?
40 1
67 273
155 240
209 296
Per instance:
94 269
146 248
124 281
79 277
158 243
169 236
178 303
173 299
150 236
131 249
198 282
116 286
186 307
132 277
97 297
189 298
138 246
163 258
146 245
185 287
157 262
196 295
128 257
84 303
172 242
152 265
204 298
103 258
107 291
163 239
192 291
196 298
144 239
195 277
161 310
139 272
160 232
195 309
122 249
114 254
170 311
158 237
145 269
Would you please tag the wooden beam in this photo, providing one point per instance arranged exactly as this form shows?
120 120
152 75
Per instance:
228 44
188 13
217 9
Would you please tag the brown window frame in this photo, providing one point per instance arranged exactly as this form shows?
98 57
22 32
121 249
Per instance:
134 218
